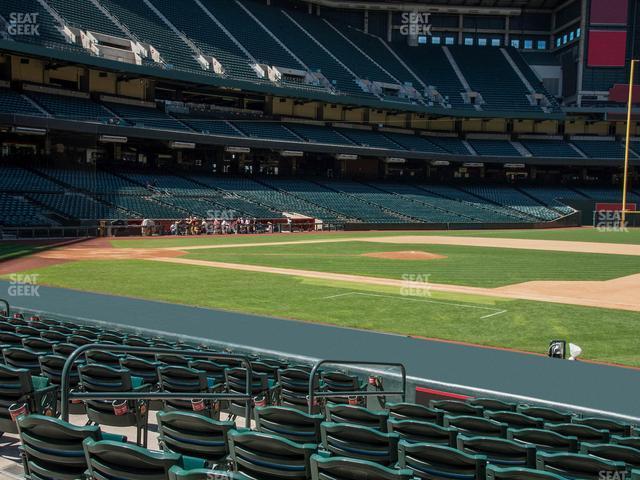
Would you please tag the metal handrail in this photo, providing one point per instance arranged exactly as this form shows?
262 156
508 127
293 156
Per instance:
7 306
66 394
318 393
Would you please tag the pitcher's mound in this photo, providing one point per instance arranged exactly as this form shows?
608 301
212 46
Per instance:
405 255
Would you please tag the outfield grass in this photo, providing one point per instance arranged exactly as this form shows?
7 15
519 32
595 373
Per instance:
470 266
605 335
569 234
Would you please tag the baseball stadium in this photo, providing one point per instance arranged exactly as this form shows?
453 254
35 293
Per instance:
319 239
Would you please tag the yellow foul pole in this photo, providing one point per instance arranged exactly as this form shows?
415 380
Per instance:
626 148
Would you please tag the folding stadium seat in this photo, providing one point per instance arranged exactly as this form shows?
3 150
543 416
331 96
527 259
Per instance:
143 368
516 420
173 359
414 411
54 336
87 333
357 441
133 413
52 448
51 367
583 433
65 349
499 451
337 413
294 387
28 331
107 459
493 404
103 358
176 379
62 329
457 407
178 473
544 440
470 425
113 337
214 370
289 423
39 345
235 382
340 382
495 472
8 339
18 387
616 453
344 468
38 325
19 357
550 415
7 327
416 431
614 428
266 456
189 433
430 461
576 465
270 370
79 340
633 442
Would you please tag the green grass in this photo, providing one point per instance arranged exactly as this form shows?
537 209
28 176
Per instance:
571 234
605 335
470 266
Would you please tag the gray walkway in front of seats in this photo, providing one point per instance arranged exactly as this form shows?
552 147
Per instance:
594 386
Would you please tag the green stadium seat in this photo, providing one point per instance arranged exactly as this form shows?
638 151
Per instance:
290 423
179 473
456 407
357 441
344 468
100 378
266 456
416 431
614 427
294 387
495 472
192 434
544 440
176 379
336 382
104 358
22 358
414 411
52 448
550 415
584 433
633 442
472 426
499 451
516 420
235 382
107 459
338 413
617 453
493 404
38 345
578 466
429 461
18 387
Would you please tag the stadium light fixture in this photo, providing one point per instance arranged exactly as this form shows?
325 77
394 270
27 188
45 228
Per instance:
627 144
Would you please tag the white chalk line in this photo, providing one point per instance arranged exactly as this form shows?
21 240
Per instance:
496 311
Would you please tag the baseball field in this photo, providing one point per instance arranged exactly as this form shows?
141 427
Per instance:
510 289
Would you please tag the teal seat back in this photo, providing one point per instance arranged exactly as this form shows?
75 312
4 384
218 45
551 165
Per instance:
344 468
195 435
261 455
499 451
430 461
357 441
416 431
289 423
339 413
413 411
576 465
544 440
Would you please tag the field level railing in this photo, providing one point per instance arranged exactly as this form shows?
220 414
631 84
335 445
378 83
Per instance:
66 394
313 393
